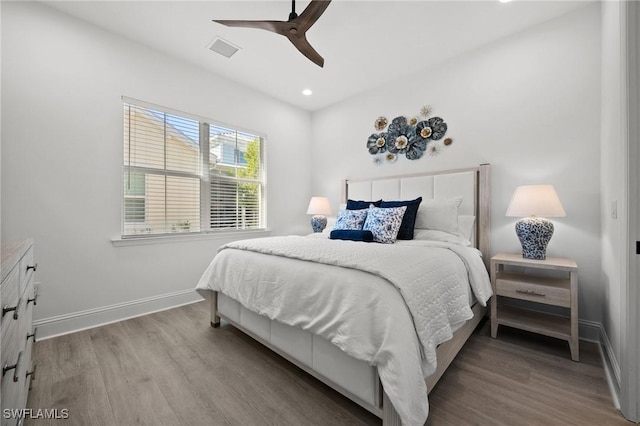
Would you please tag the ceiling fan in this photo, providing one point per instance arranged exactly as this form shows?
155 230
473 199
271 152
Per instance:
294 29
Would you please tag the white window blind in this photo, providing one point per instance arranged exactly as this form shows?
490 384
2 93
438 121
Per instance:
184 174
235 173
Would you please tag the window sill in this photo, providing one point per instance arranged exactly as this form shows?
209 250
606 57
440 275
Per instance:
180 238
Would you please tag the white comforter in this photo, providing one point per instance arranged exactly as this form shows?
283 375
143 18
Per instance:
396 328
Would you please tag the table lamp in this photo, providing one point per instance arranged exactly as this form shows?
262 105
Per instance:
533 203
319 207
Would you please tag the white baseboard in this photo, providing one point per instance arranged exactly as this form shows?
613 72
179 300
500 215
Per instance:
611 366
589 330
83 320
594 332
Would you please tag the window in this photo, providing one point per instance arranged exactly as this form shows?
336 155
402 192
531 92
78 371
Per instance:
134 197
186 174
234 159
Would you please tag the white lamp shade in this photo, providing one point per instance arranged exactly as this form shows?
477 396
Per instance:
535 200
319 205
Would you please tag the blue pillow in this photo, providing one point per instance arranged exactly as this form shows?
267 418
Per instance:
409 219
384 223
351 235
350 219
359 204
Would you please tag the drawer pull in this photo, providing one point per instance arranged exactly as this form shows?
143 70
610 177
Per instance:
15 367
8 308
34 267
32 373
530 292
33 299
33 334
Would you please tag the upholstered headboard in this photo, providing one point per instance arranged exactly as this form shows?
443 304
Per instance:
472 183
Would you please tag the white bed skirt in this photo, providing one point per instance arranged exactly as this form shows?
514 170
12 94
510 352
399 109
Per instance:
355 379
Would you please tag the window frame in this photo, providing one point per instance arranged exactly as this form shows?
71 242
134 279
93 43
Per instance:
205 177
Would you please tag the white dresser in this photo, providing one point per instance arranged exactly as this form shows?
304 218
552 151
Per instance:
17 298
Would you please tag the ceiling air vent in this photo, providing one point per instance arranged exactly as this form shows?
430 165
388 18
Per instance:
223 47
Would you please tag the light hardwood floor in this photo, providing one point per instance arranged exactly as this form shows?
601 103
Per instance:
171 368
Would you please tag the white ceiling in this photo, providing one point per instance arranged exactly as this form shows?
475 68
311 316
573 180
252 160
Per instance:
364 43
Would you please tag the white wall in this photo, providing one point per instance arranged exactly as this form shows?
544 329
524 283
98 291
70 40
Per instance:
0 125
528 104
613 180
62 153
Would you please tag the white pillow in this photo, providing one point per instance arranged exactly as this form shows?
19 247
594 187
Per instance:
384 223
440 214
465 226
331 222
445 237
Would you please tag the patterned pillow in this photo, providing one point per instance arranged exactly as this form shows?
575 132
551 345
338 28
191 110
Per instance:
351 219
384 223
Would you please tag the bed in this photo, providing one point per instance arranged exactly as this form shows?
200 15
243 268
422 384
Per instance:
353 314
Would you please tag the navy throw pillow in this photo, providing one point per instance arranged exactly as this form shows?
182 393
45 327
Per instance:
409 219
352 235
360 205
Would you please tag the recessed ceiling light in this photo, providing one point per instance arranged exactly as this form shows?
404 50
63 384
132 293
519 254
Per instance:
307 92
505 1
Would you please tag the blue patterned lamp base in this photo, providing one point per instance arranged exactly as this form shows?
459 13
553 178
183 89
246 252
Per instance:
534 234
318 223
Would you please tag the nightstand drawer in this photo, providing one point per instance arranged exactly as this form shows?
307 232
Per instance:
550 291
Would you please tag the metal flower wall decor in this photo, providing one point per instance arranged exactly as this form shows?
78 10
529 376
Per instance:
411 137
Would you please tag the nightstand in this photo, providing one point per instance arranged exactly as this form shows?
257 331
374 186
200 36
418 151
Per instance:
561 290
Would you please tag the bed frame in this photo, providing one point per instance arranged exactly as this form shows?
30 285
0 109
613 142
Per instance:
474 184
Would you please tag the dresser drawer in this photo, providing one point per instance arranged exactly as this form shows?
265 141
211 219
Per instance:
13 352
12 304
28 298
27 269
550 291
25 380
11 345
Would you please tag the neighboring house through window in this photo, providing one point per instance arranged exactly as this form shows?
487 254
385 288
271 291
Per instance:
187 174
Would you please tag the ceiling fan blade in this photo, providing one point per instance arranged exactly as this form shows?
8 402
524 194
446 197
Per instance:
295 29
310 15
299 40
273 26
